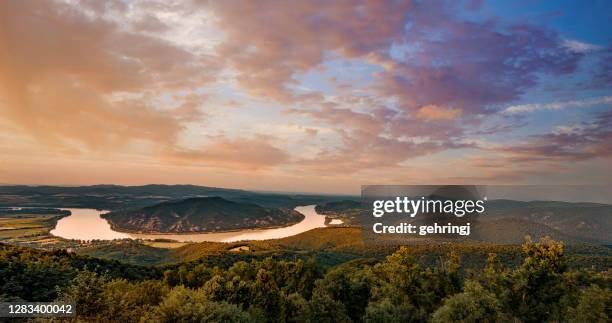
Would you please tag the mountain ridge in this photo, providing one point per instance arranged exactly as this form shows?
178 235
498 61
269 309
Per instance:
200 214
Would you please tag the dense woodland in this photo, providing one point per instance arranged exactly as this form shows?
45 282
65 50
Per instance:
539 288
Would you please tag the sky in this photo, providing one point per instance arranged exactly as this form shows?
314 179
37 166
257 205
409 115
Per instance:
305 96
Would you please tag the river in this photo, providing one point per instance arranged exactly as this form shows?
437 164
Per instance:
86 224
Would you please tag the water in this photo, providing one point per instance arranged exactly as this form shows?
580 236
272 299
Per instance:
86 224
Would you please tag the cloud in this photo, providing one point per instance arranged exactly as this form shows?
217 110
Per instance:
580 47
150 23
139 81
433 112
585 103
472 66
603 74
296 36
62 66
365 122
242 153
452 62
587 140
451 70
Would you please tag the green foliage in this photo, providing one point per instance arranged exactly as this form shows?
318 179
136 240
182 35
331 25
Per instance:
27 276
407 291
34 275
330 247
322 308
594 305
534 291
129 251
399 288
539 282
187 305
86 292
128 302
349 285
475 304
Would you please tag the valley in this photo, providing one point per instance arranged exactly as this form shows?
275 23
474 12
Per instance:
309 267
333 239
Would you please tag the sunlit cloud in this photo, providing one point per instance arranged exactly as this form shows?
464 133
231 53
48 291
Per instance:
434 112
268 93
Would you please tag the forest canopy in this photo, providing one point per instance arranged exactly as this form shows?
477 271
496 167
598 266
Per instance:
541 288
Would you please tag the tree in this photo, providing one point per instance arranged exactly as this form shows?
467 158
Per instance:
349 285
266 297
86 292
323 309
186 305
538 285
296 308
475 304
128 302
594 305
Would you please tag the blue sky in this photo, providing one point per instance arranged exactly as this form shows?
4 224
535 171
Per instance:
308 95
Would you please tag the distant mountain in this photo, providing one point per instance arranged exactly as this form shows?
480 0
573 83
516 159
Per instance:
348 211
513 231
115 197
581 221
509 221
201 214
338 206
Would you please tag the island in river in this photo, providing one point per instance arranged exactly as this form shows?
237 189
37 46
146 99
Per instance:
201 214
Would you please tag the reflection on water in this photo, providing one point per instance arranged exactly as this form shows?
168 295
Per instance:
86 224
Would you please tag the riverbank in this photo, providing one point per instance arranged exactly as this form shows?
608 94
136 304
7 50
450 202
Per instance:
32 229
87 224
115 228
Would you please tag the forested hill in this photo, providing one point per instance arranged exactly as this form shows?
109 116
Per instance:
509 221
397 289
201 214
113 197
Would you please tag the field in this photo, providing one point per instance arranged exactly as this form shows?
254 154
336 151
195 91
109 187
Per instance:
30 229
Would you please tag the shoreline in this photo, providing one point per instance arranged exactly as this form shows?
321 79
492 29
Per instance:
305 223
114 228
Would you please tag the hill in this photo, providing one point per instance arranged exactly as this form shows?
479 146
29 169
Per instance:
114 197
508 221
591 222
201 214
283 286
330 247
348 211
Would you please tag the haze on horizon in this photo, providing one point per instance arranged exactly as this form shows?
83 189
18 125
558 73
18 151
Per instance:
310 96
